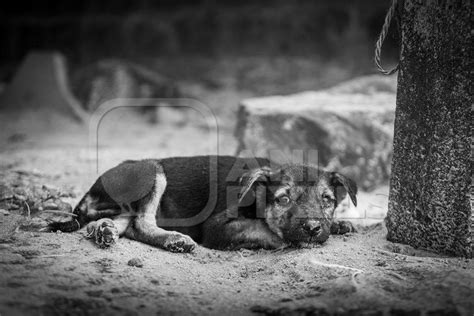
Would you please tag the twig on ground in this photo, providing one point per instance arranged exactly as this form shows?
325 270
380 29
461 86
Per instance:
336 266
28 209
396 275
60 212
353 279
280 249
389 253
49 256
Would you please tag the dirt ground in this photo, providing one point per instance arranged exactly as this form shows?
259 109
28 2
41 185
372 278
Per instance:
66 274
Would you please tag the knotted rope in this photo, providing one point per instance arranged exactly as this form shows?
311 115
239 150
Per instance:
383 34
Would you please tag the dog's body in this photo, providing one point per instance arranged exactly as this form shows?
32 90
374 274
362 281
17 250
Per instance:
220 202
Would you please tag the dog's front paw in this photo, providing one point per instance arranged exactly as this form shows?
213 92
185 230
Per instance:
179 243
342 227
103 232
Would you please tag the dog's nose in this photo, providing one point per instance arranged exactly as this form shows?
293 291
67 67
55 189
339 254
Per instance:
313 227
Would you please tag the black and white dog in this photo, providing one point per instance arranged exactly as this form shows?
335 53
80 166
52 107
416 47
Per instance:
220 202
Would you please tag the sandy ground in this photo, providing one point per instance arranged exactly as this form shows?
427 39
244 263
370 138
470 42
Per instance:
66 274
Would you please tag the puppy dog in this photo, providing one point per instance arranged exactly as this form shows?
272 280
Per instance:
220 202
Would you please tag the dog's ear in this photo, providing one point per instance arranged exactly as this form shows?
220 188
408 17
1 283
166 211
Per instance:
250 179
349 186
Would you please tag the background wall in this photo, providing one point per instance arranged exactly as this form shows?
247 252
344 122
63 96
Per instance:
91 29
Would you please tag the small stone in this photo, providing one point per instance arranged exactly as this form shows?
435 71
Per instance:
4 212
19 191
115 290
13 207
49 187
135 262
20 197
50 206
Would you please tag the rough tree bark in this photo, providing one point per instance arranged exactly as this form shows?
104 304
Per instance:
429 204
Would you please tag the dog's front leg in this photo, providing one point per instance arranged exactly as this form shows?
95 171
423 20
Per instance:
222 232
106 231
144 228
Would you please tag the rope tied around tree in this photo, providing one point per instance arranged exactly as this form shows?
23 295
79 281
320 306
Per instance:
381 39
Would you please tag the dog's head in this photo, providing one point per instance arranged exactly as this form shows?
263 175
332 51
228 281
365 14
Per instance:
297 201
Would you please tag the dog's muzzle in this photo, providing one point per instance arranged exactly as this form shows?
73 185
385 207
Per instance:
316 230
312 227
307 230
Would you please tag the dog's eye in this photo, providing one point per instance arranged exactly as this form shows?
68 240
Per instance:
283 200
327 198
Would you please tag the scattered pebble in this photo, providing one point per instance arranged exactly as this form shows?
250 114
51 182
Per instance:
20 191
115 290
135 262
4 212
50 187
50 206
20 197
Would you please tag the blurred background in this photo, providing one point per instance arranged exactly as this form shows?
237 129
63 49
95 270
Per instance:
257 47
60 60
318 32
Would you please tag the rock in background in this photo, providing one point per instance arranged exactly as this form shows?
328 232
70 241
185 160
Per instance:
110 79
41 83
350 126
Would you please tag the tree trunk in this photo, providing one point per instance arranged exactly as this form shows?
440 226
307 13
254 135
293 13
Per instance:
429 204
